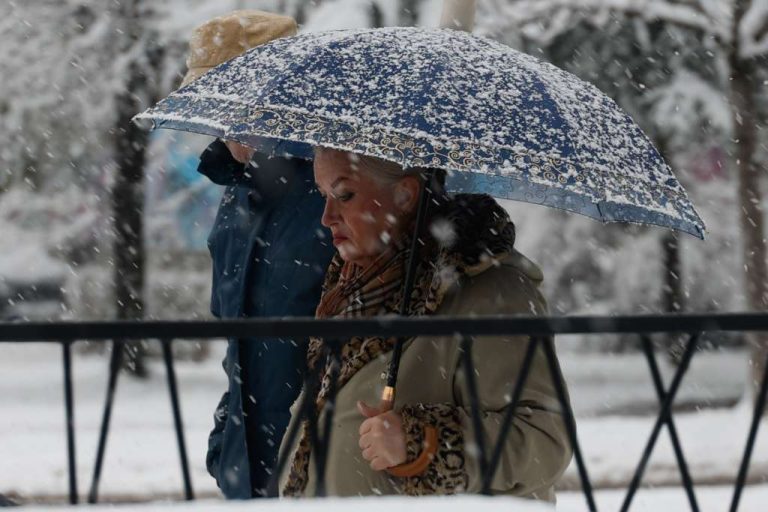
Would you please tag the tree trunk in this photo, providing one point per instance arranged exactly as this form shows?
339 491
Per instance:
672 293
128 192
672 298
409 13
301 14
744 111
128 207
458 14
376 16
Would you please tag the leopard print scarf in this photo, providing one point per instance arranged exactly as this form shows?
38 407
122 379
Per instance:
469 234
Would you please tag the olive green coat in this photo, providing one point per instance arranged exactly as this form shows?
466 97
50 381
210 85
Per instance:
536 451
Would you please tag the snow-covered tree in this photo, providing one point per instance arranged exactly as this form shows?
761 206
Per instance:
74 74
734 33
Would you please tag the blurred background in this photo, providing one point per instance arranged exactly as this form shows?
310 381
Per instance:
74 172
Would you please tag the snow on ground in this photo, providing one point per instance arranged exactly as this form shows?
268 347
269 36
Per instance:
142 460
376 504
610 384
710 499
141 456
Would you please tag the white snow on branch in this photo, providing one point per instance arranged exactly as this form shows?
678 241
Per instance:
687 100
531 12
356 14
752 42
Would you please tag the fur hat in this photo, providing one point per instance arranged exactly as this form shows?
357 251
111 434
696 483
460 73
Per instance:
223 38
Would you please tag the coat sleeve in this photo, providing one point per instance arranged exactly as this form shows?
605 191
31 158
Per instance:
269 179
536 450
218 165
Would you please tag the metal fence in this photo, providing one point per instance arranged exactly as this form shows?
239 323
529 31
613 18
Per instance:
537 330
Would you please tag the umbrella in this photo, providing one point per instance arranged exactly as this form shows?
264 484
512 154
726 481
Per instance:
499 121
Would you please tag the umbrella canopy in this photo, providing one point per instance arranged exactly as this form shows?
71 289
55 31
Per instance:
499 121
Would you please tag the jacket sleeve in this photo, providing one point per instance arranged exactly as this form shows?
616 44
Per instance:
269 179
217 163
536 451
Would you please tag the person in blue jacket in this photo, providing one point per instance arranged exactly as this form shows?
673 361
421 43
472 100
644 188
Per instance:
269 255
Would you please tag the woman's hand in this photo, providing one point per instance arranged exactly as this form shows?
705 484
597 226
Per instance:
381 438
239 152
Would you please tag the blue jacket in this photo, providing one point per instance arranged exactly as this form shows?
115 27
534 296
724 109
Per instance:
269 254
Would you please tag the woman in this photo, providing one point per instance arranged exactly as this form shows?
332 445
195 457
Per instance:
467 266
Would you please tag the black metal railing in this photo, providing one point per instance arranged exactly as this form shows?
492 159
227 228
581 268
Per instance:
537 329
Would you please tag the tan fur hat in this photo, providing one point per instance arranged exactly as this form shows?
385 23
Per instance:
226 37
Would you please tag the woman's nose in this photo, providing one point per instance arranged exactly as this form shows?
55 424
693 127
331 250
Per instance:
329 214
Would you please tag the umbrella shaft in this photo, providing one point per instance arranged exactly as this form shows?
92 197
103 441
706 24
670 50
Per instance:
388 395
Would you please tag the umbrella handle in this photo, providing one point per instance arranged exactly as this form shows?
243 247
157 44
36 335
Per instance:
421 463
417 466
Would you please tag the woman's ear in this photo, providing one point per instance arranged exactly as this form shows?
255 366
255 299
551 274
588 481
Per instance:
407 194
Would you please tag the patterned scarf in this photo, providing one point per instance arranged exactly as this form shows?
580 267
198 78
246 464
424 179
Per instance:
470 233
361 293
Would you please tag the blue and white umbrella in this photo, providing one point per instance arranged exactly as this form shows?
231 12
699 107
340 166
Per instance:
499 121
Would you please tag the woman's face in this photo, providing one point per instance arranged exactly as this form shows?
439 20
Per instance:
363 214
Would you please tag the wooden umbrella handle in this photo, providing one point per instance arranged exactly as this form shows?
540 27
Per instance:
418 466
421 463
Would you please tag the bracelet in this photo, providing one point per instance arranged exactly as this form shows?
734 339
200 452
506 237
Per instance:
421 463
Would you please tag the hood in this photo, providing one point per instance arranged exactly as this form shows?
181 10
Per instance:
530 269
474 233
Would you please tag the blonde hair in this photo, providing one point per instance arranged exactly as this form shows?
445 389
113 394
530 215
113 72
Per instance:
387 172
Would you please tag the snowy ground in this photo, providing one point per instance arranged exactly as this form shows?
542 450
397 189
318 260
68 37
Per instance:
141 461
711 499
378 504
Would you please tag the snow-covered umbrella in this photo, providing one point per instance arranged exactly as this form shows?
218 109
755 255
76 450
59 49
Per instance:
499 121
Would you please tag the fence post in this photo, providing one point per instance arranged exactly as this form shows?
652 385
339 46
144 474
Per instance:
570 423
322 439
114 369
305 410
69 407
509 416
173 390
756 417
658 384
474 399
666 407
